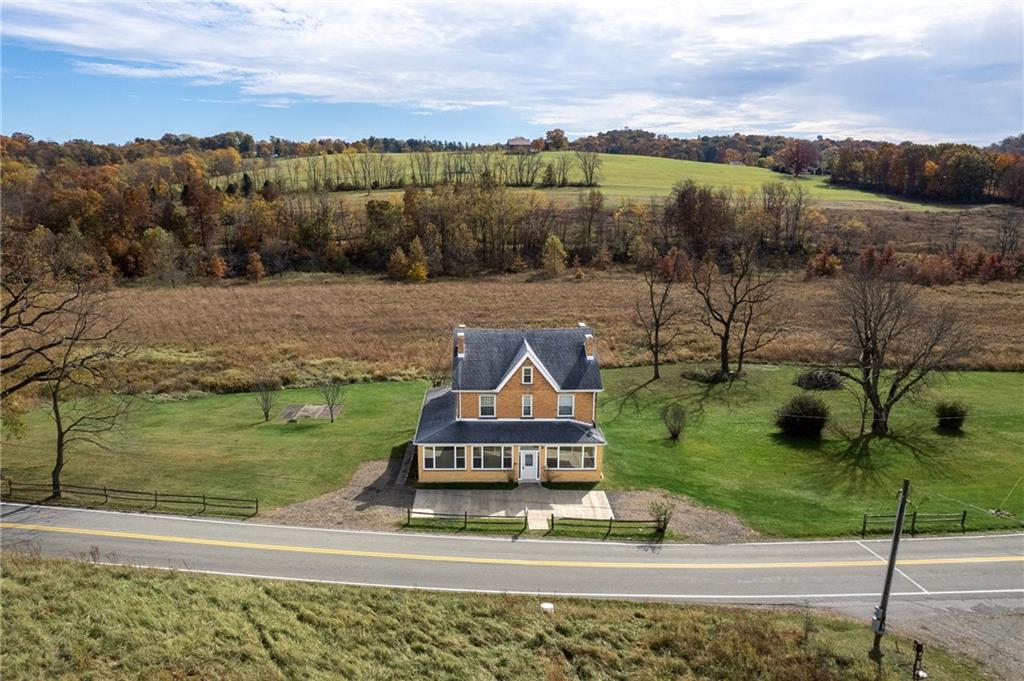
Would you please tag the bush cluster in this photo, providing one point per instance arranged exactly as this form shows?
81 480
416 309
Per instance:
819 379
951 415
802 416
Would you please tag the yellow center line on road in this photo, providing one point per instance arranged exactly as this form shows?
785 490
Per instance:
526 562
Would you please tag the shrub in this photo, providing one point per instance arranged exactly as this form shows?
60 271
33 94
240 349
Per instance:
674 418
661 511
951 415
398 265
706 375
553 257
802 416
254 268
819 379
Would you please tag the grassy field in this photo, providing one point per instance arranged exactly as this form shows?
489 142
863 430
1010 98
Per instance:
642 177
219 445
219 338
64 620
730 458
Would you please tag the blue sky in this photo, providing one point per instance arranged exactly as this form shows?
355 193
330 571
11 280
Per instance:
483 72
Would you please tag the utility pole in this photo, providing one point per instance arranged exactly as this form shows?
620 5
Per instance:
878 623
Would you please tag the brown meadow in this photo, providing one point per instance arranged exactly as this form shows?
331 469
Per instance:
220 338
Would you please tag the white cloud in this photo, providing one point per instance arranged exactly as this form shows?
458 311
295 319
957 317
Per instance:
585 66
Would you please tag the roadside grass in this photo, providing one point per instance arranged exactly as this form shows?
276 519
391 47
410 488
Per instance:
218 445
634 177
65 619
730 456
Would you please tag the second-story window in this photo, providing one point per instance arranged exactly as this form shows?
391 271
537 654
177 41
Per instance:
566 406
527 406
487 407
527 375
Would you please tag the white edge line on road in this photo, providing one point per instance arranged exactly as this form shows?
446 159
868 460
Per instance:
904 574
305 528
753 598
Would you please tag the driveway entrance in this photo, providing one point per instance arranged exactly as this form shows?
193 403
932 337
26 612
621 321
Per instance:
536 501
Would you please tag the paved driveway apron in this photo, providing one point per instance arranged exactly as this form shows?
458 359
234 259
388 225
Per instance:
537 502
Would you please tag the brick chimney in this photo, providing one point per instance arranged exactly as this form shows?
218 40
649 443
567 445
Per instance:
588 345
460 342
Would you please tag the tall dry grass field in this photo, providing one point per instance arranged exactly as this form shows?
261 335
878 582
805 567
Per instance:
221 337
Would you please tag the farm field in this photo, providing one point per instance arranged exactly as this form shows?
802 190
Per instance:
643 177
729 458
169 625
220 338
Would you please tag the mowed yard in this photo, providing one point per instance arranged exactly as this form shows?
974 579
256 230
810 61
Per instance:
730 456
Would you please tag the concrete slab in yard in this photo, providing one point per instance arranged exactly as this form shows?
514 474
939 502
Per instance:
536 501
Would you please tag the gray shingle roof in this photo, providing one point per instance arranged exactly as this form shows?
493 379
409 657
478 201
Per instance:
490 353
438 425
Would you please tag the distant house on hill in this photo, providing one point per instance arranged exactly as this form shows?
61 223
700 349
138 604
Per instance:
518 145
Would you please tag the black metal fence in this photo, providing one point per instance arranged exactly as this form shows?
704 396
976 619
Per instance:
181 503
466 519
888 520
608 524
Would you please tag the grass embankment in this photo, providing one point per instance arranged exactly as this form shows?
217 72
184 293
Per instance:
729 457
64 619
221 339
643 177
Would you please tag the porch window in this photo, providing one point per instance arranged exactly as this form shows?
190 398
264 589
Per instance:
492 458
566 406
487 407
527 406
444 458
572 458
527 375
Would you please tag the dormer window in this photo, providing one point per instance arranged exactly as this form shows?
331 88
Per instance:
527 375
566 406
487 410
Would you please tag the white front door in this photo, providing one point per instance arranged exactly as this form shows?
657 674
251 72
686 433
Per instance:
529 464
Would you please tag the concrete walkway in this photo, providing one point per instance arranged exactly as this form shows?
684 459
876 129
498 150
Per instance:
537 502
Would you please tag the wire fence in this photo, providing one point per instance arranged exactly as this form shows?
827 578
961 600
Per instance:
191 504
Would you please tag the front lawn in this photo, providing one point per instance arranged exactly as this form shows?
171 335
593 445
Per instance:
731 457
219 445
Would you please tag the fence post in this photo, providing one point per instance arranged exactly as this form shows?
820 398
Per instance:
963 521
408 515
551 523
465 519
106 497
610 525
864 527
204 503
257 506
156 498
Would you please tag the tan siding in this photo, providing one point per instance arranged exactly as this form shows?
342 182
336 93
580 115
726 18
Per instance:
545 400
470 475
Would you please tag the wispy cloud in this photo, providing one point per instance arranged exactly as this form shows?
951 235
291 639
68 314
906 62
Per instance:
895 70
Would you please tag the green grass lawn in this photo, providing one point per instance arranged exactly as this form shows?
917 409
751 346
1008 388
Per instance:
729 457
68 620
641 177
218 445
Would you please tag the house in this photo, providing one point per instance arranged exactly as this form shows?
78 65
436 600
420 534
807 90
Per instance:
518 145
522 407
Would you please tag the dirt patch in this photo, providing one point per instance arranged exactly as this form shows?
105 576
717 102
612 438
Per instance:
371 501
690 521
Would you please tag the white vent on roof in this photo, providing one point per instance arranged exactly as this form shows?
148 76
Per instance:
582 325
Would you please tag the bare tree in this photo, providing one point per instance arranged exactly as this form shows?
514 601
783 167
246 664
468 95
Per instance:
333 392
266 394
656 308
590 165
86 401
892 341
738 307
956 231
1008 235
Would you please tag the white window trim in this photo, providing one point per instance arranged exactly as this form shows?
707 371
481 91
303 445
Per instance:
432 451
558 406
527 370
480 405
527 403
504 449
558 458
